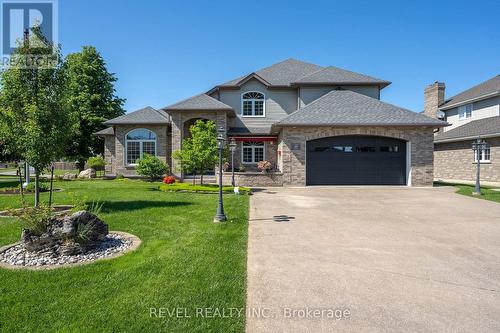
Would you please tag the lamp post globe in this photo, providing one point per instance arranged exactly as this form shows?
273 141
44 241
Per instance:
220 216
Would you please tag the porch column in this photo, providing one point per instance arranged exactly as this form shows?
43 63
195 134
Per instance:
177 136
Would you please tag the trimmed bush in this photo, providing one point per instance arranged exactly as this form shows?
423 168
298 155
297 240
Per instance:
151 166
97 163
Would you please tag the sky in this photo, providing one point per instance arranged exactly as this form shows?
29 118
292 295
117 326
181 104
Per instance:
165 51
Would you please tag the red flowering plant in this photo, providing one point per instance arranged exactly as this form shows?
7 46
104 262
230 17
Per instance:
169 180
264 166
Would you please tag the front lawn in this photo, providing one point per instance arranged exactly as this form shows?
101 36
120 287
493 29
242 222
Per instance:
487 192
205 188
185 261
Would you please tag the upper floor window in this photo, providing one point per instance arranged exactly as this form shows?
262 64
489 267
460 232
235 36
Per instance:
465 111
139 142
253 104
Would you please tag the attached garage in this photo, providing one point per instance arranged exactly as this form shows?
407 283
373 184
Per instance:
356 160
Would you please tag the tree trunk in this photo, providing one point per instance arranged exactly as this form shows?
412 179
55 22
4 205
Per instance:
81 165
194 178
201 178
37 187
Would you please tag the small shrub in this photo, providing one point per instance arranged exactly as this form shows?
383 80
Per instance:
264 166
36 219
169 180
97 163
151 166
43 187
119 176
242 168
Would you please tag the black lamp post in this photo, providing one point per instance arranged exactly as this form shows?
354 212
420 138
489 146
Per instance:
220 216
478 146
232 148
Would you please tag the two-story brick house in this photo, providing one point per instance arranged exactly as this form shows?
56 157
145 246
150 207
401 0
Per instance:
316 125
472 113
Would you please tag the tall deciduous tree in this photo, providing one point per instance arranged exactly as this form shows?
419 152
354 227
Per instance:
91 99
33 118
199 152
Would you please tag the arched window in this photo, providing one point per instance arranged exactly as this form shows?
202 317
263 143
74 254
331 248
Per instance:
253 104
139 142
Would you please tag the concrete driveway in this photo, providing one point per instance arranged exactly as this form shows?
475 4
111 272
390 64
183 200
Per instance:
373 259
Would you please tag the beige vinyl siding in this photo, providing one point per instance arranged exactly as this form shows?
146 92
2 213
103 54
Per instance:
278 104
480 110
309 94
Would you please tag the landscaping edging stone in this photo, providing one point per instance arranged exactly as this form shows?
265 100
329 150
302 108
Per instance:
135 243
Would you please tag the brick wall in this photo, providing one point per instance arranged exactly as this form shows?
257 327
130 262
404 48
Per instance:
455 160
252 179
294 164
118 163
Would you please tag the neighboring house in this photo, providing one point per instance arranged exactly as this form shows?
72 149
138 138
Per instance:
472 113
316 125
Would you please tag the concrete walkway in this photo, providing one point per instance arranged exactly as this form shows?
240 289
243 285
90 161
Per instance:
372 259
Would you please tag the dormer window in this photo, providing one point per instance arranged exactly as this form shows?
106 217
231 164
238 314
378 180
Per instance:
465 111
253 104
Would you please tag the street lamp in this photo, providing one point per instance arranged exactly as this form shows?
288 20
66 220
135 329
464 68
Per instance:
220 216
232 148
478 146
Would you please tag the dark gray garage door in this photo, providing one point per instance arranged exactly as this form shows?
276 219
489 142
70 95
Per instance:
356 160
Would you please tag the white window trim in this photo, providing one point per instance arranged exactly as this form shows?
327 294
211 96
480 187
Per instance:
464 109
140 146
253 105
482 157
253 154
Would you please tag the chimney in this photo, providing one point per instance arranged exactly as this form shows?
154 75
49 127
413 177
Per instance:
434 97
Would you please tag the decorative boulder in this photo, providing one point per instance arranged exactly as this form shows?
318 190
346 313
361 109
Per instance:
88 173
67 235
69 176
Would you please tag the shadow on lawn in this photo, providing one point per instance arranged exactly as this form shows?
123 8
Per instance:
113 206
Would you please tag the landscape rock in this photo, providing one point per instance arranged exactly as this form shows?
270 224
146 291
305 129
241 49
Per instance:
88 173
68 235
69 176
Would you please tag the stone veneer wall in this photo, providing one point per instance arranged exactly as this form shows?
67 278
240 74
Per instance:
294 161
118 163
252 179
178 119
455 161
109 154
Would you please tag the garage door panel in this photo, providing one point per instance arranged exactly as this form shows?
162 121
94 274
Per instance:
356 160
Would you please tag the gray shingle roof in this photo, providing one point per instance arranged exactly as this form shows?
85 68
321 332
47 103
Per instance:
147 115
199 102
106 131
282 73
345 107
335 75
489 87
486 127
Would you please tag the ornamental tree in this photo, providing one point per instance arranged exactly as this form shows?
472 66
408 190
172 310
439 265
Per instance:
199 152
91 99
33 118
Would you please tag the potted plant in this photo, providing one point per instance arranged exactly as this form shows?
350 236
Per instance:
264 166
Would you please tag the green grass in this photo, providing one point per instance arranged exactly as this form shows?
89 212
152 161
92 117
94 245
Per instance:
185 261
487 192
199 188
